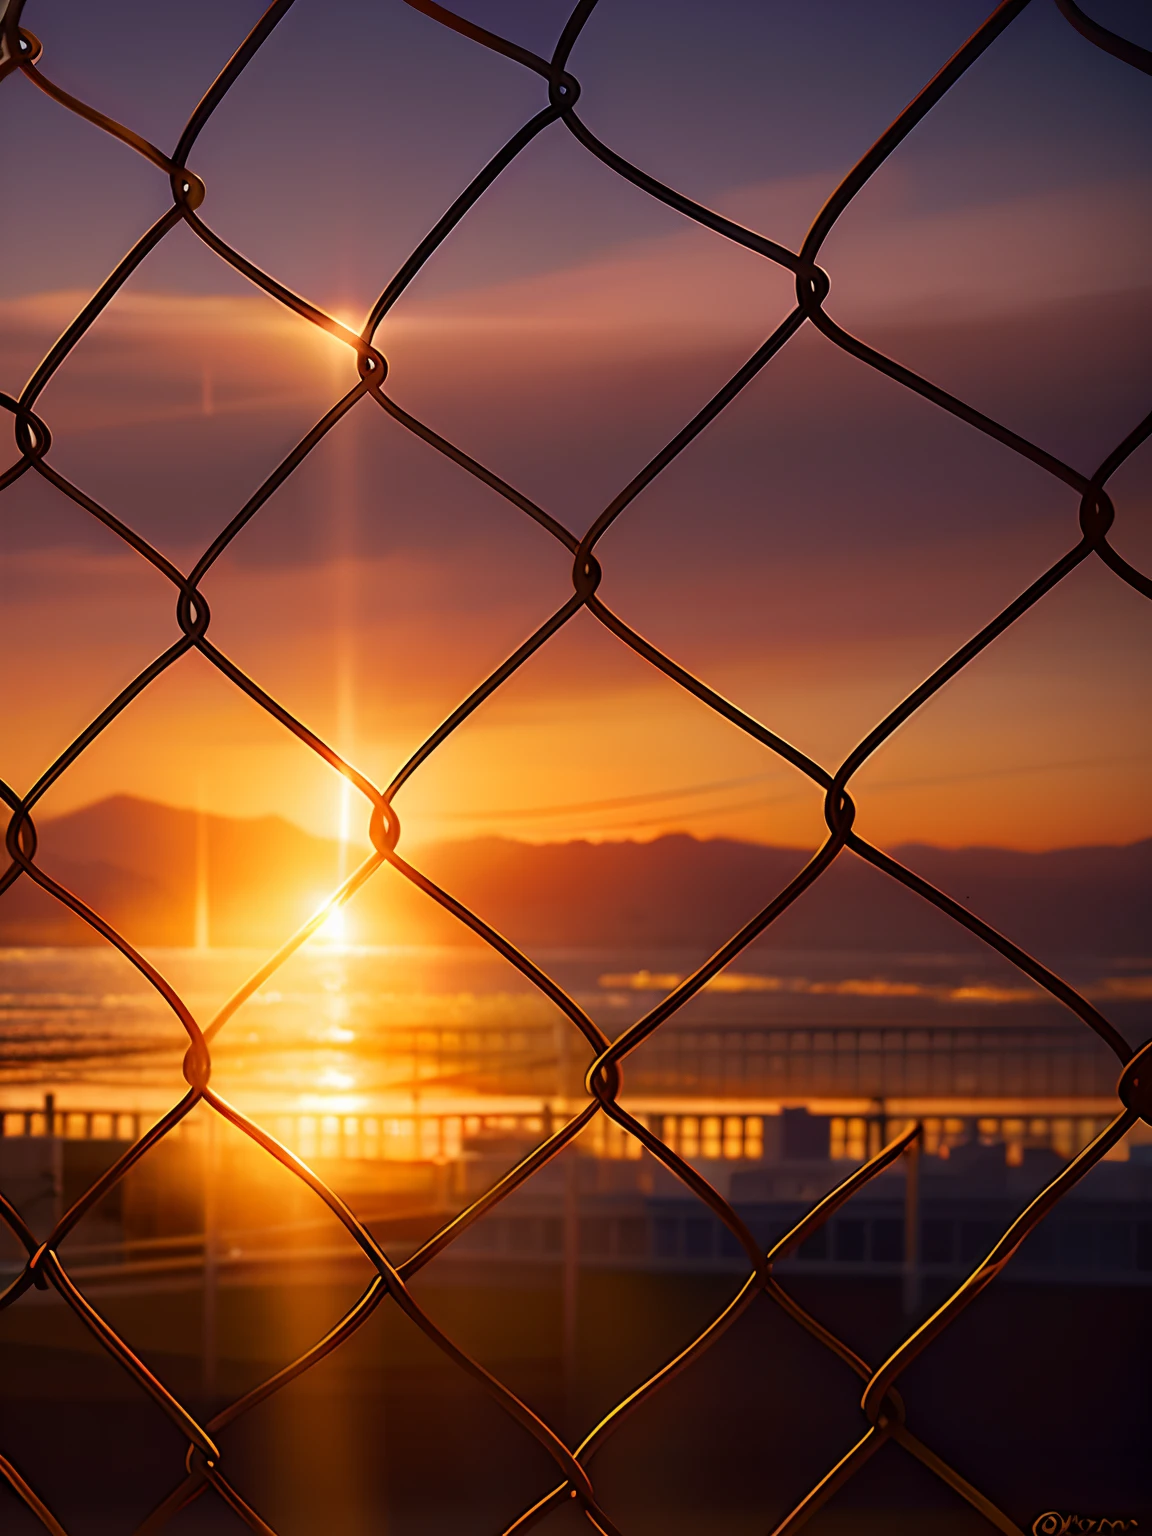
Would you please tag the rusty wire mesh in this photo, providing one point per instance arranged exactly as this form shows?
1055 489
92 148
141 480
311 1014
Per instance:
882 1409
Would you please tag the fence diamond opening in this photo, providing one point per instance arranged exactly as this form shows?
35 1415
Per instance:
882 1408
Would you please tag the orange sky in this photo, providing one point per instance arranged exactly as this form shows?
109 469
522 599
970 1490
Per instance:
1043 741
824 545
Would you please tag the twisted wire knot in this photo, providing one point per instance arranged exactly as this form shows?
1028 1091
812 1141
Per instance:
563 90
384 827
812 287
188 190
1097 514
33 438
192 613
586 574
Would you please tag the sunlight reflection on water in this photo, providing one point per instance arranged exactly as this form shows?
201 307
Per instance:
339 1026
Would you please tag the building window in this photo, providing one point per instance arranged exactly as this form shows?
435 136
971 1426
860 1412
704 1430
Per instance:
937 1242
698 1237
595 1235
849 1239
667 1235
816 1246
632 1237
888 1241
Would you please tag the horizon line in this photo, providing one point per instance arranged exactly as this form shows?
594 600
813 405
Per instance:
592 838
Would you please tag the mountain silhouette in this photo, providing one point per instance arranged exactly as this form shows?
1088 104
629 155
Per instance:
139 863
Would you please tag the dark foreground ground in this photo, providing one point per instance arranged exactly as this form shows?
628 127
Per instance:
1041 1396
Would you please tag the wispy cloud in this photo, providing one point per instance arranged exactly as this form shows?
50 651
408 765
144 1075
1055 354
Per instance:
855 986
887 258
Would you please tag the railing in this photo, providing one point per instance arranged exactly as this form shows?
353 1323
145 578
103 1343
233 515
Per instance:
1102 1241
758 1062
900 1062
884 1417
440 1136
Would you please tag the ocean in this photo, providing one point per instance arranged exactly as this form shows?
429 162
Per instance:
334 1026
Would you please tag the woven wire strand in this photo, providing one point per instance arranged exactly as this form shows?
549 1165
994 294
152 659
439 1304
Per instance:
881 1405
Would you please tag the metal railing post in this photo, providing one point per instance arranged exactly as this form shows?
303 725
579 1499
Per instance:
911 1275
209 1339
570 1237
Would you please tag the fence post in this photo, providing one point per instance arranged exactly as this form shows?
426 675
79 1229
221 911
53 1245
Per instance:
877 1123
911 1276
209 1341
570 1240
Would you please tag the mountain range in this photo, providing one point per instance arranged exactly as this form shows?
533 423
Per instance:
140 864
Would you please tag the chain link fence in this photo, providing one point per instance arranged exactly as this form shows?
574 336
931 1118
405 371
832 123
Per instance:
883 1414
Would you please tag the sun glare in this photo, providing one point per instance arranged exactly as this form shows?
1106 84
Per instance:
335 931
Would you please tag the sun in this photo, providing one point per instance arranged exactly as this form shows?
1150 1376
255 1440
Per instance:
334 931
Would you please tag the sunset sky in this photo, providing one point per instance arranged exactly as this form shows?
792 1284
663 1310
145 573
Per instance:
815 554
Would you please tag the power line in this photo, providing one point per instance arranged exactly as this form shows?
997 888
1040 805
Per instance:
878 786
